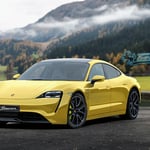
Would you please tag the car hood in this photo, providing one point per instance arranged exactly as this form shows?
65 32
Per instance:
22 89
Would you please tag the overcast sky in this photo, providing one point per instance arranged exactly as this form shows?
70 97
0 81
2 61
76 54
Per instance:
19 13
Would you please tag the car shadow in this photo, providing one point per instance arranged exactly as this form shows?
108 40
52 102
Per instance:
32 126
36 126
104 120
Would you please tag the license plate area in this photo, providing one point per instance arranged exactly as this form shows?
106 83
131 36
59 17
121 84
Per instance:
9 108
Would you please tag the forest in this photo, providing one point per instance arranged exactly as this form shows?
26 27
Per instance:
135 38
20 55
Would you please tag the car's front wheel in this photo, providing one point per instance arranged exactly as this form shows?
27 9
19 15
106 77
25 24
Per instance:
133 105
77 111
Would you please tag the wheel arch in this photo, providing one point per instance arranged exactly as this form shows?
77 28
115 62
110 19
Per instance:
82 93
79 92
137 89
129 114
129 91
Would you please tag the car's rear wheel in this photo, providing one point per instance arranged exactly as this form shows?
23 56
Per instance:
77 111
133 105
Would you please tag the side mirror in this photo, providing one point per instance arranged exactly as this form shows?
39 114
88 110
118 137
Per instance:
16 76
97 78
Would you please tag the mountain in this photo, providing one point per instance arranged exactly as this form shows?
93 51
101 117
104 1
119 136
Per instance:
93 18
133 38
87 28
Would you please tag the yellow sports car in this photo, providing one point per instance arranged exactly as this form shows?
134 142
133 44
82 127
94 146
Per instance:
68 91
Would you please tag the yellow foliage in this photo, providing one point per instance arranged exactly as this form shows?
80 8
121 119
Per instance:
96 57
75 56
138 69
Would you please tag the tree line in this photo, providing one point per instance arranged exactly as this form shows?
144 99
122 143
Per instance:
20 55
135 38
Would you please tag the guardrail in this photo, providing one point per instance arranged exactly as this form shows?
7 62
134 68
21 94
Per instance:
145 95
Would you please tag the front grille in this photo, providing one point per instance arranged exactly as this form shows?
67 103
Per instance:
26 116
22 117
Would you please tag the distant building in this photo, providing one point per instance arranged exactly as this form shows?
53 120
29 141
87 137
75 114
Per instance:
142 58
140 62
132 59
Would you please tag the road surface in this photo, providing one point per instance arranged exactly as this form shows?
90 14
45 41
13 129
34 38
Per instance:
102 134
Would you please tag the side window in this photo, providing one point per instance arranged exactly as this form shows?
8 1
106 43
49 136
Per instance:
97 69
111 72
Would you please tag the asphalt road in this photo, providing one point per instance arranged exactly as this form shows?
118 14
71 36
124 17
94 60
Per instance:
102 134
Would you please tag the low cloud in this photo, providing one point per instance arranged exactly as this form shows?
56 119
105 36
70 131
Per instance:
105 15
67 25
111 15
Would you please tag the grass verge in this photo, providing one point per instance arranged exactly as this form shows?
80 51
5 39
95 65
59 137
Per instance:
144 82
2 73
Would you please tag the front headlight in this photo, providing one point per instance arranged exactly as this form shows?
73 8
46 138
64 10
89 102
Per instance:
51 94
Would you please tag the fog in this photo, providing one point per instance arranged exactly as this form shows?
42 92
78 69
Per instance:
109 15
104 15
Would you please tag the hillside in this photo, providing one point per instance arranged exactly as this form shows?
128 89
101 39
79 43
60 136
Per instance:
135 38
84 29
20 54
81 17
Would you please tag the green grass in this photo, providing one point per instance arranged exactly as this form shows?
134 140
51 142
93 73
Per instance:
2 73
3 68
144 82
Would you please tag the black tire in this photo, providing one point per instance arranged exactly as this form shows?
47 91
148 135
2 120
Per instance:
77 111
132 105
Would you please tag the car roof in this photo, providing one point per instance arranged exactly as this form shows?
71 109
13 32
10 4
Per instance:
68 60
80 60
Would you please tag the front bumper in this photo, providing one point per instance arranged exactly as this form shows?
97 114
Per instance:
42 110
22 117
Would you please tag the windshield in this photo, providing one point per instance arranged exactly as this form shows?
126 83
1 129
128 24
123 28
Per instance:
56 70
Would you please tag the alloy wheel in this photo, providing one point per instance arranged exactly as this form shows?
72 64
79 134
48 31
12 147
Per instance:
133 105
77 111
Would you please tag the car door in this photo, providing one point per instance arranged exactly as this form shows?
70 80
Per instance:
99 92
118 90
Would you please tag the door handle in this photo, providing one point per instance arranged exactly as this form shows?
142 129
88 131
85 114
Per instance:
108 87
124 84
